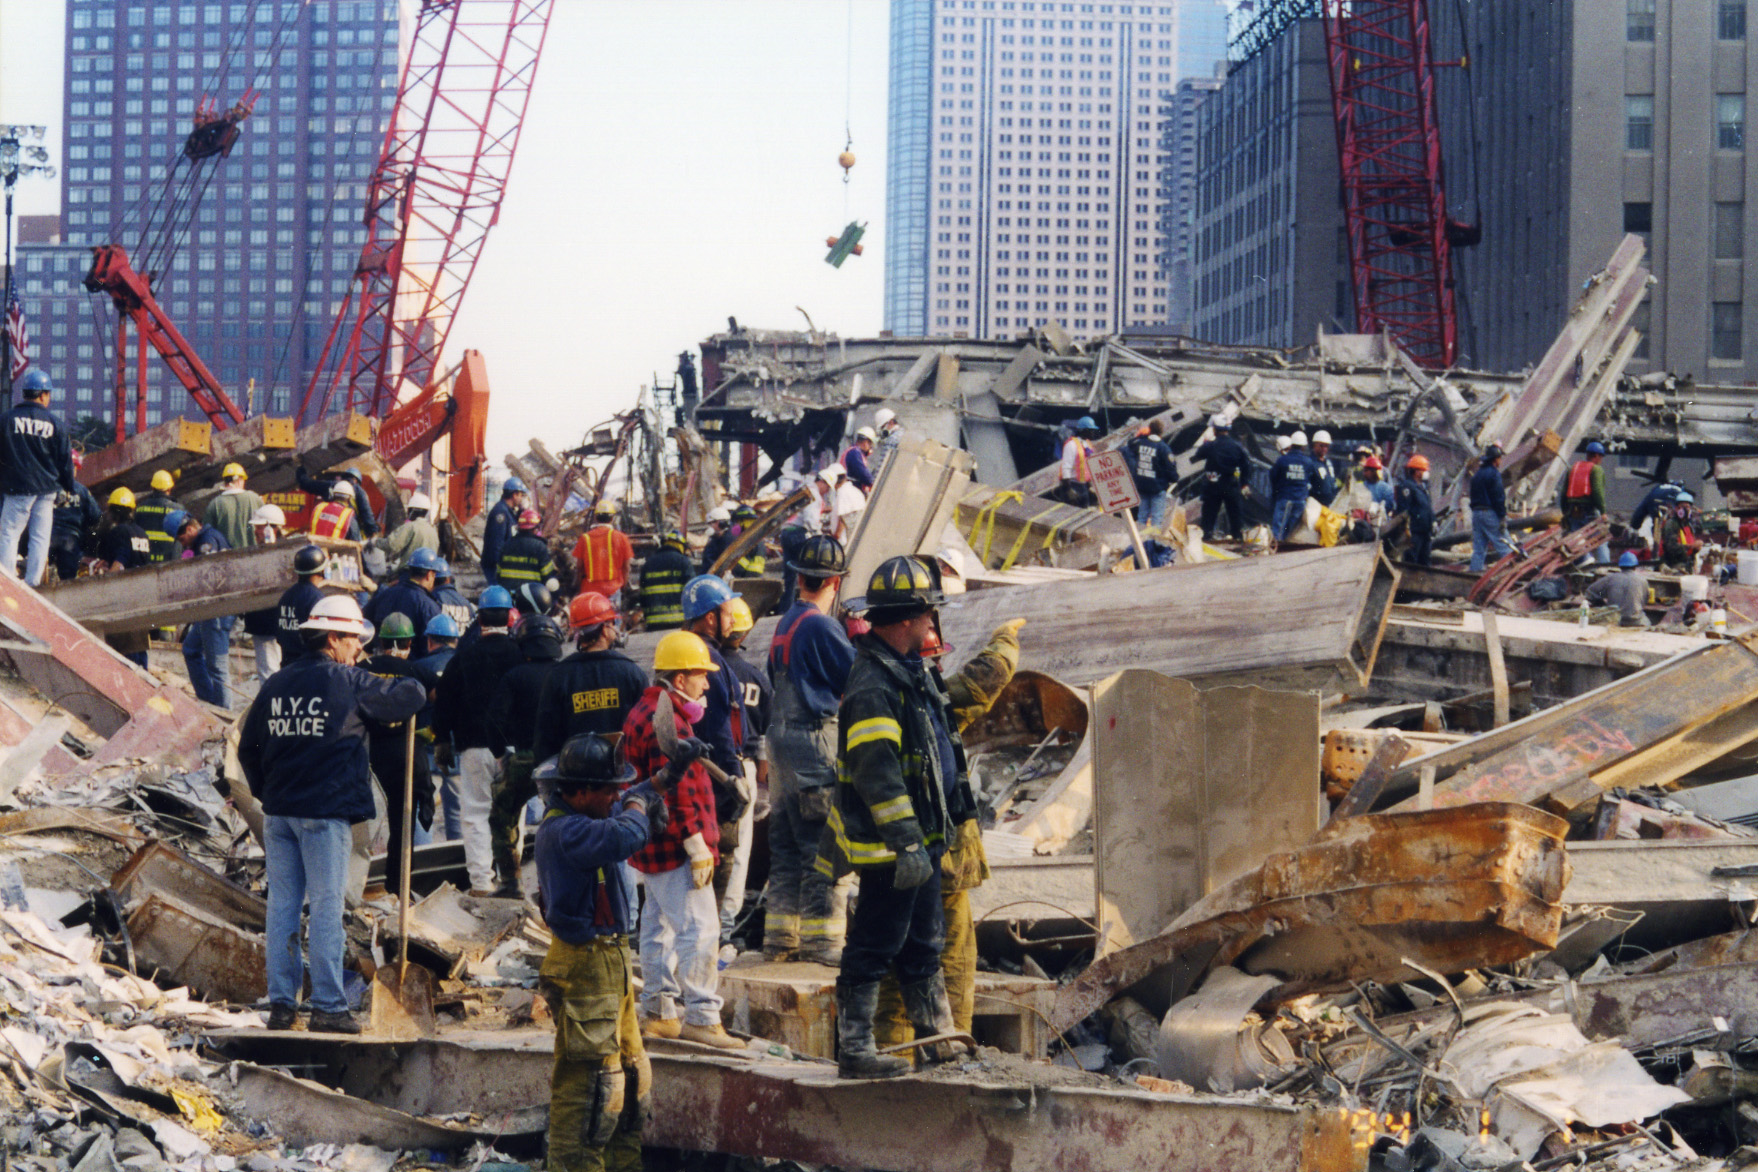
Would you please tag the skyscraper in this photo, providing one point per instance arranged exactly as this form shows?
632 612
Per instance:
1025 152
268 245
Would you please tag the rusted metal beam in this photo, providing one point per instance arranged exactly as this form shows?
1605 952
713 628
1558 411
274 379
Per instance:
219 960
171 447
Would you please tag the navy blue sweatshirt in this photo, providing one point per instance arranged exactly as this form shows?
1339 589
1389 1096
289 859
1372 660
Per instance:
36 453
582 890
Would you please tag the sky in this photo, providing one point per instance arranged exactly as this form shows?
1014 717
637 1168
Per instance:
677 165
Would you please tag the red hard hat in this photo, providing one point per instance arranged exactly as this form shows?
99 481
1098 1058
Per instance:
528 519
1372 462
932 646
590 609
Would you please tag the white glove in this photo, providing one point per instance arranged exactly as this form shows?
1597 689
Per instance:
701 861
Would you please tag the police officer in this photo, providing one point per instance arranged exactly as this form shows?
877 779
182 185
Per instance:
663 575
755 704
1225 466
601 1081
206 642
411 596
502 522
1150 466
1410 498
450 598
809 661
705 601
513 715
592 690
1324 477
525 557
150 511
442 642
295 604
461 726
36 462
303 752
1291 480
388 744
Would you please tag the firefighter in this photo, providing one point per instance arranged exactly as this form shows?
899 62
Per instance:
525 557
501 524
754 562
591 690
150 512
663 575
512 713
336 518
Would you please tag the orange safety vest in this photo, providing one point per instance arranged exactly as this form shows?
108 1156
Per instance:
598 558
1081 471
1580 480
332 520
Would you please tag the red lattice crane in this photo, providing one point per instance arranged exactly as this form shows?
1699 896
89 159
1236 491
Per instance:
1394 195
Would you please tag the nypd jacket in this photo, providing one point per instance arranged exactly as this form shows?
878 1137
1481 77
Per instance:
36 453
303 748
294 608
588 692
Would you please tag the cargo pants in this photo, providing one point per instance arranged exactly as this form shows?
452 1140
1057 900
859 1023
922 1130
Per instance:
601 1085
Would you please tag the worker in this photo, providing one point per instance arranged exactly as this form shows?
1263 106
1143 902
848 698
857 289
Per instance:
150 510
890 435
1225 466
1584 495
601 1079
530 598
663 574
901 791
206 642
1291 480
526 556
1627 590
592 690
1324 481
450 598
324 488
1076 486
1655 502
264 626
842 502
502 523
808 663
71 528
1410 499
304 756
1679 541
36 462
442 643
680 925
294 606
755 702
1359 501
603 554
388 743
719 536
1150 466
754 561
964 866
462 730
705 602
512 713
336 518
123 545
854 460
1373 475
230 512
416 532
411 595
1489 511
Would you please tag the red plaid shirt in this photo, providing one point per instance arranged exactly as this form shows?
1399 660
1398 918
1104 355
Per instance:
691 805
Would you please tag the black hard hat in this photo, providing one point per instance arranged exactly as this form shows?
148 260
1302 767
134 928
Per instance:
540 637
900 588
819 557
532 598
590 759
1493 452
310 559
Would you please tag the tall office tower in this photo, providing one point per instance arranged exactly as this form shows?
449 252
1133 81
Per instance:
1178 192
1024 155
271 247
1202 37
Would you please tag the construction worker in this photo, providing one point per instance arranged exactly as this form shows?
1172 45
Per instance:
324 488
964 866
719 537
411 595
706 601
336 518
462 729
854 460
450 598
809 661
902 793
294 606
890 434
843 502
592 690
1655 503
1373 476
680 925
603 553
264 625
502 523
1076 487
1489 511
1679 541
36 463
1291 480
754 562
206 642
1324 481
123 545
388 744
1627 590
525 557
1410 499
230 512
755 703
512 713
1150 466
442 641
150 511
1584 495
416 532
74 522
601 1080
663 574
1225 466
304 756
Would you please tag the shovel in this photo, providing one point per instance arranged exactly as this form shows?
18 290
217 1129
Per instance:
402 998
665 733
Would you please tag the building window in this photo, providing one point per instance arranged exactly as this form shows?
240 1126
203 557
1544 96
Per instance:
1730 231
1731 24
1725 338
1639 122
1730 121
1639 24
1639 218
1639 322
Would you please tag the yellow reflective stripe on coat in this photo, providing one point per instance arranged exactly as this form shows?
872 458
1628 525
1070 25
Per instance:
874 728
895 810
859 853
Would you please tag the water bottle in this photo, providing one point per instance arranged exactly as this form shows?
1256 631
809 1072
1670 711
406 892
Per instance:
1586 615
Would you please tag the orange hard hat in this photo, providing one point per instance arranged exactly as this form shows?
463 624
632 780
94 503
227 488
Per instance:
590 609
1374 462
1420 463
1143 430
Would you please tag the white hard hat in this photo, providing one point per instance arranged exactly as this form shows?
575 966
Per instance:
420 500
268 515
342 490
867 433
1283 443
338 612
1219 420
831 474
720 513
1321 436
1298 439
883 416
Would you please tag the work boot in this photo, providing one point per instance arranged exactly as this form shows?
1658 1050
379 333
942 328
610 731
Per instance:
661 1027
282 1015
857 1054
710 1035
930 1012
333 1023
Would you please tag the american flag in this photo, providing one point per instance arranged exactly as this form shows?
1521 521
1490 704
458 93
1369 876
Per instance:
17 335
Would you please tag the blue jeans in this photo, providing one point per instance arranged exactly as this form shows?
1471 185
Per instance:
37 513
307 859
1287 517
207 646
1488 534
449 809
1152 510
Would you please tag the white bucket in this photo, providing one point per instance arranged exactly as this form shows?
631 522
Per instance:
1693 588
1748 567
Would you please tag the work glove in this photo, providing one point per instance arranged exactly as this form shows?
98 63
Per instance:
649 801
964 865
815 803
690 749
701 861
1008 630
914 868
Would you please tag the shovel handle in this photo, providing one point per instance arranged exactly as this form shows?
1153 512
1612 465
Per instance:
408 846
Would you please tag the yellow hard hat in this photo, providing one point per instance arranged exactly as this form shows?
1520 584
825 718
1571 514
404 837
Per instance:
231 470
682 651
738 616
123 497
162 480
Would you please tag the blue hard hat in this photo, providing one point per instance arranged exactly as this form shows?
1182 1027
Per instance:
1596 448
1086 423
443 626
424 559
35 380
495 598
175 520
442 569
513 485
703 593
1626 560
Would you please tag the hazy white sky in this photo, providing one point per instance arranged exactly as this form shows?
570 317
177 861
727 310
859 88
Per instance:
678 164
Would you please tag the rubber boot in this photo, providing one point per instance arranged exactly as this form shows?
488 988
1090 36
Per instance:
857 1055
930 1012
